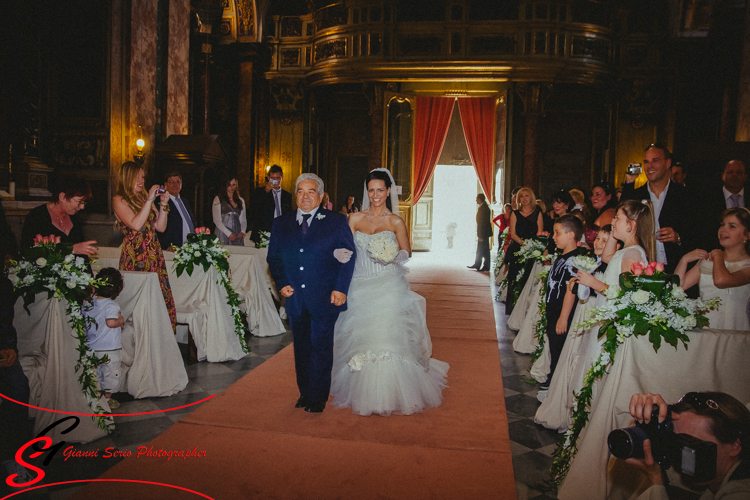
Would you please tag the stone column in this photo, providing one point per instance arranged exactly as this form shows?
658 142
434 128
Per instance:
375 94
534 95
178 67
143 77
245 159
743 99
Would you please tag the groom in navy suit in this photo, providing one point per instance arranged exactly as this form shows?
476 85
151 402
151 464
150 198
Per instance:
310 256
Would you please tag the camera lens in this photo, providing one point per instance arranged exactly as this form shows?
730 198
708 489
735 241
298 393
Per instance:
627 442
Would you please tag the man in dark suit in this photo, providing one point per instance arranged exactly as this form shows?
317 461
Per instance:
268 203
180 219
484 233
712 202
304 257
670 203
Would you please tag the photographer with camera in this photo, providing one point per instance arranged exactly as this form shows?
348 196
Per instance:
268 202
705 437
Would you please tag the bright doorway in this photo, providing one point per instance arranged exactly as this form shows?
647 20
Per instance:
454 202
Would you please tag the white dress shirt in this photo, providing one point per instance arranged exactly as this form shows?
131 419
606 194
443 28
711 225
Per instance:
312 216
728 195
658 202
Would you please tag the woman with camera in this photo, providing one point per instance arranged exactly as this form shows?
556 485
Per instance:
139 219
229 214
714 417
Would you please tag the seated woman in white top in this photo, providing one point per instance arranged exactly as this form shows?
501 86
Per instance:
228 212
723 273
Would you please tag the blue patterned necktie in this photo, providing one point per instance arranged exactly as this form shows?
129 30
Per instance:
305 226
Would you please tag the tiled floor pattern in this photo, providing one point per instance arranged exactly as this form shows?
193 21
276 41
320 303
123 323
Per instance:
531 444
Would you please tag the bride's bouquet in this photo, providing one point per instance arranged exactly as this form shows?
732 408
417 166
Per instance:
382 248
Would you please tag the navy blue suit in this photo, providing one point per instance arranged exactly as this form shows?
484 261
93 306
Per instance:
172 235
306 263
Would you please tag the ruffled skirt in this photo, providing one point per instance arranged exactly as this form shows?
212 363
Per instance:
382 349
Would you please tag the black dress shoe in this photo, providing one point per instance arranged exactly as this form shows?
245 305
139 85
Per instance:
485 270
316 407
302 402
472 267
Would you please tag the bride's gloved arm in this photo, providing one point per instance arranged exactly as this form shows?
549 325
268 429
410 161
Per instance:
401 257
342 255
344 240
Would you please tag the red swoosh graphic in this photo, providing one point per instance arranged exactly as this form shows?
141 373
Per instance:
107 414
119 480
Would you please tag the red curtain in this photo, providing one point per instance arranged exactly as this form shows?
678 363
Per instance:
478 120
433 115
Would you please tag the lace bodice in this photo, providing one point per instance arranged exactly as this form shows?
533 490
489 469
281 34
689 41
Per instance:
364 266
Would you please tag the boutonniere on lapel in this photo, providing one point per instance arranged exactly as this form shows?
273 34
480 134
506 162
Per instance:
320 216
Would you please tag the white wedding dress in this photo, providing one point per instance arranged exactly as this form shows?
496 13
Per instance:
382 349
731 314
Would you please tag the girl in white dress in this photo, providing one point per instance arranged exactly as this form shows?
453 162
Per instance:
723 273
382 349
633 225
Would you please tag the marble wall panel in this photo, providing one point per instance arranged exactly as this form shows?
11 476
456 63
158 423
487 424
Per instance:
743 105
178 69
143 74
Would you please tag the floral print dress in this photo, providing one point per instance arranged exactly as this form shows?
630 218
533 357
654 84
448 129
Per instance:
141 251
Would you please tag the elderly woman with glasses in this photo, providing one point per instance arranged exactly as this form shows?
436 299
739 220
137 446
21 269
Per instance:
715 417
58 217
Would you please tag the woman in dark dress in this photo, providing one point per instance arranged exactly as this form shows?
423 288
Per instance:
525 222
58 217
562 204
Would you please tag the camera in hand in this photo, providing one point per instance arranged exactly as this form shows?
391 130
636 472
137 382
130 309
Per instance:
634 169
161 190
687 454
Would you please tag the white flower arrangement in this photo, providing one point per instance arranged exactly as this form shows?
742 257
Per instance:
382 248
203 249
51 266
264 240
648 303
320 216
585 263
531 249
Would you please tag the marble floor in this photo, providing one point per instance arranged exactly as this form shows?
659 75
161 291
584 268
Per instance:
531 444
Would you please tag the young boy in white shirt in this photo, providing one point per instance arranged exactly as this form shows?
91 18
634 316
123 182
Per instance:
105 335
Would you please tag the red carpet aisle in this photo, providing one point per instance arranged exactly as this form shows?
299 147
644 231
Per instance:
258 446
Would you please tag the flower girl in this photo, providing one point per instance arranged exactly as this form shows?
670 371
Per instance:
633 225
723 273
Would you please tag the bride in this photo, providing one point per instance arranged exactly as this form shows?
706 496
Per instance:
382 350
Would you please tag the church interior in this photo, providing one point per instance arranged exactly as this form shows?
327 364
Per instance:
576 89
331 87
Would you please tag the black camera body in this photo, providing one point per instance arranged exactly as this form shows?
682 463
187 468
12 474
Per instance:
687 454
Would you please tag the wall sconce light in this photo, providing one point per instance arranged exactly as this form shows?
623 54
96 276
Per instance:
268 167
139 144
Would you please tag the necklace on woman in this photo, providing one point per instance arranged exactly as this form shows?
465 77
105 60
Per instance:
369 218
59 219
